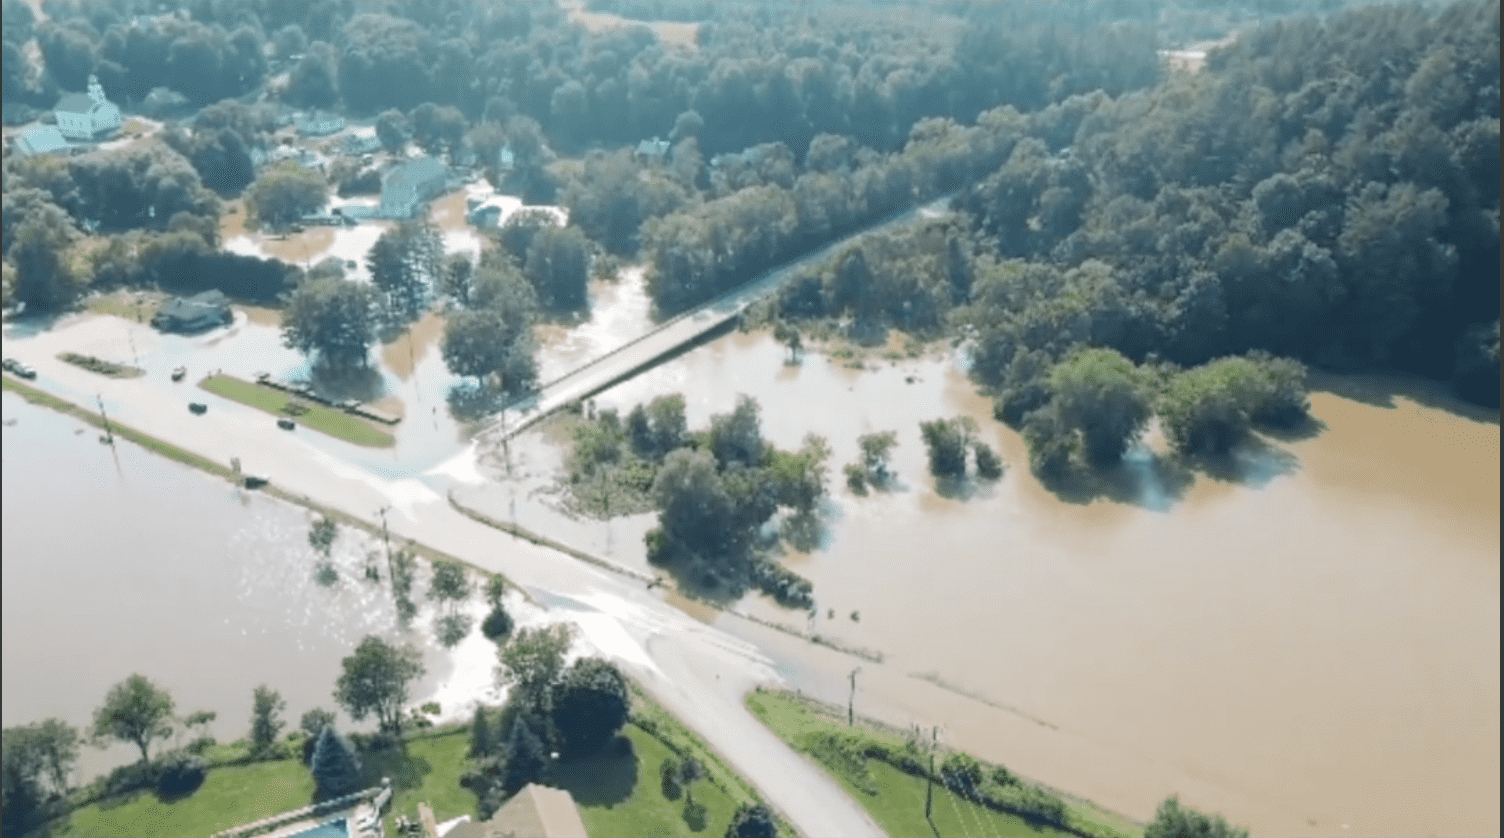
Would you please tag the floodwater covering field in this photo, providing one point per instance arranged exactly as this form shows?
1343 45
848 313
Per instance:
119 561
1308 643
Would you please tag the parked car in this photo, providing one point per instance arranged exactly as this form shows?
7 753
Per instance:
286 424
16 367
178 373
198 408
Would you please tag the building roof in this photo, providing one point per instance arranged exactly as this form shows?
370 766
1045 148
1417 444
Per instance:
654 147
209 308
75 103
414 172
535 812
40 139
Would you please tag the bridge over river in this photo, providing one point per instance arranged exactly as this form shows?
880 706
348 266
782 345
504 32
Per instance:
673 336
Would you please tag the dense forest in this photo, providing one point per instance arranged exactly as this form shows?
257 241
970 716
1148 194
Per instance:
1325 188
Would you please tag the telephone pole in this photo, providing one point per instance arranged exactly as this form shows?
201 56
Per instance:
386 540
851 700
929 780
109 434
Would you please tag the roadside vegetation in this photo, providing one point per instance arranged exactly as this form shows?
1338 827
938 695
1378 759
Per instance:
109 369
312 415
890 773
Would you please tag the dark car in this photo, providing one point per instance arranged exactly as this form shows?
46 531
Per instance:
286 424
197 407
11 365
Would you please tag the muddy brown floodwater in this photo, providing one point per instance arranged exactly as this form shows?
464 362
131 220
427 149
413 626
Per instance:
1308 643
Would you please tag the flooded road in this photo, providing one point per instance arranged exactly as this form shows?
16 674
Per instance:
121 562
1308 643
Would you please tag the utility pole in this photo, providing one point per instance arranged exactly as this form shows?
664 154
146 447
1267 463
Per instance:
851 700
386 540
109 434
929 780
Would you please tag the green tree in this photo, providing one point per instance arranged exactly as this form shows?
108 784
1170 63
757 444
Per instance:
266 707
690 771
947 441
1171 820
322 534
404 264
332 320
1100 394
496 588
285 192
526 758
393 130
876 447
42 752
475 343
375 680
449 585
736 437
482 739
450 629
315 720
590 705
135 711
335 766
752 820
989 465
46 277
532 662
558 266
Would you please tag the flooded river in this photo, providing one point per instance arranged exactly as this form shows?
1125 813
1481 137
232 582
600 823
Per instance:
1309 644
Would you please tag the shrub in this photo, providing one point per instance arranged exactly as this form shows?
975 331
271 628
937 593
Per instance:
179 773
127 778
947 441
453 628
694 815
856 478
1003 777
961 774
989 464
668 774
752 820
498 623
200 744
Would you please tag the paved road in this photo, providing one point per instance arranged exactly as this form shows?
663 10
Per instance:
699 673
670 337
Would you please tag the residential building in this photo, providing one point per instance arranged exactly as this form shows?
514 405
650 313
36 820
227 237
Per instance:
40 139
651 151
534 812
505 159
318 124
198 313
361 143
410 184
84 116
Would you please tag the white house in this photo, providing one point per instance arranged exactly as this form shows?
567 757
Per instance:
83 116
409 184
651 151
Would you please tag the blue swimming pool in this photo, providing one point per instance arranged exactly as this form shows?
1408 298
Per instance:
332 829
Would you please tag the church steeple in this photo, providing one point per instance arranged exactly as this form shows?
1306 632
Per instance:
96 93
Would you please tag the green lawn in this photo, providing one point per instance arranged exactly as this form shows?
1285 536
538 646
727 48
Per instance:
898 805
229 797
428 772
335 423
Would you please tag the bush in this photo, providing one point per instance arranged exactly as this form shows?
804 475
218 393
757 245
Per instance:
856 478
694 815
1003 777
201 744
989 464
752 820
668 774
179 773
961 774
126 779
947 440
590 705
498 623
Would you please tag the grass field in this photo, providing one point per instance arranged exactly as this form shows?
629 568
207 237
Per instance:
898 804
335 423
229 797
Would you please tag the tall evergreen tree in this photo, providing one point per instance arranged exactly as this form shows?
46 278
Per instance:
336 767
525 756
